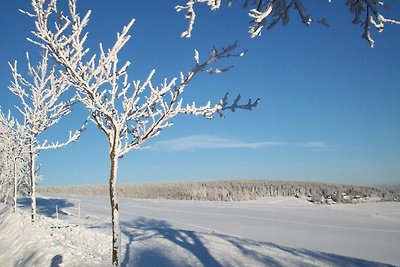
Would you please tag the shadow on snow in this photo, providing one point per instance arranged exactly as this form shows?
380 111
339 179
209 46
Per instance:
143 229
323 258
187 240
34 259
47 206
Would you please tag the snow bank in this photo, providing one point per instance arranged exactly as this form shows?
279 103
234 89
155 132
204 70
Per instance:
49 242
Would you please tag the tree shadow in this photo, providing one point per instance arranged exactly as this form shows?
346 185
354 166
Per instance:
36 259
324 258
251 253
264 253
47 206
28 259
187 240
150 258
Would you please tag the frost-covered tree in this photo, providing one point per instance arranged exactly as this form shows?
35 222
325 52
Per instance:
13 159
268 13
41 107
5 179
6 145
128 114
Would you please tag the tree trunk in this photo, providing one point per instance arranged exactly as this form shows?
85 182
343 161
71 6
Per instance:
116 232
15 185
33 183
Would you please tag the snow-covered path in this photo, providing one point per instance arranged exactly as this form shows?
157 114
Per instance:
369 231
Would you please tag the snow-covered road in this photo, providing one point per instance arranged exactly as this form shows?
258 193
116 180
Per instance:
369 231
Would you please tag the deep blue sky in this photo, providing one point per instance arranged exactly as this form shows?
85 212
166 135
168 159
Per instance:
329 111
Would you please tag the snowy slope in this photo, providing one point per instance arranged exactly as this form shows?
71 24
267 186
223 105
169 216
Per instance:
269 232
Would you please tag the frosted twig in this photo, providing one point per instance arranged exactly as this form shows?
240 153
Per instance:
271 12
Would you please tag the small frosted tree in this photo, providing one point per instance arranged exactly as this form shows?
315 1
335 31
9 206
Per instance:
13 158
128 114
268 13
5 177
41 107
6 137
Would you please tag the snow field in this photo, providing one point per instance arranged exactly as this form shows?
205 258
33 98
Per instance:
269 232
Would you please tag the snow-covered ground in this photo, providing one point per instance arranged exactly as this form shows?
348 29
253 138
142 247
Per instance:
278 231
48 242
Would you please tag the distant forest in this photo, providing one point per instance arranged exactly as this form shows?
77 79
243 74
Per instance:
237 190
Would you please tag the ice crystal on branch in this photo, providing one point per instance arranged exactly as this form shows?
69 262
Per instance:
372 16
268 13
235 105
277 10
191 15
273 10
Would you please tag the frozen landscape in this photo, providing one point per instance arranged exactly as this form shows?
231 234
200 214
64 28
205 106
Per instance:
275 231
322 108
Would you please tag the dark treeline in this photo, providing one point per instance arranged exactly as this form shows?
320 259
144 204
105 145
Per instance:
237 190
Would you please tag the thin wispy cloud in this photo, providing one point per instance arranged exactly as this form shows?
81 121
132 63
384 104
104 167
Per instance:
196 142
315 145
208 142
